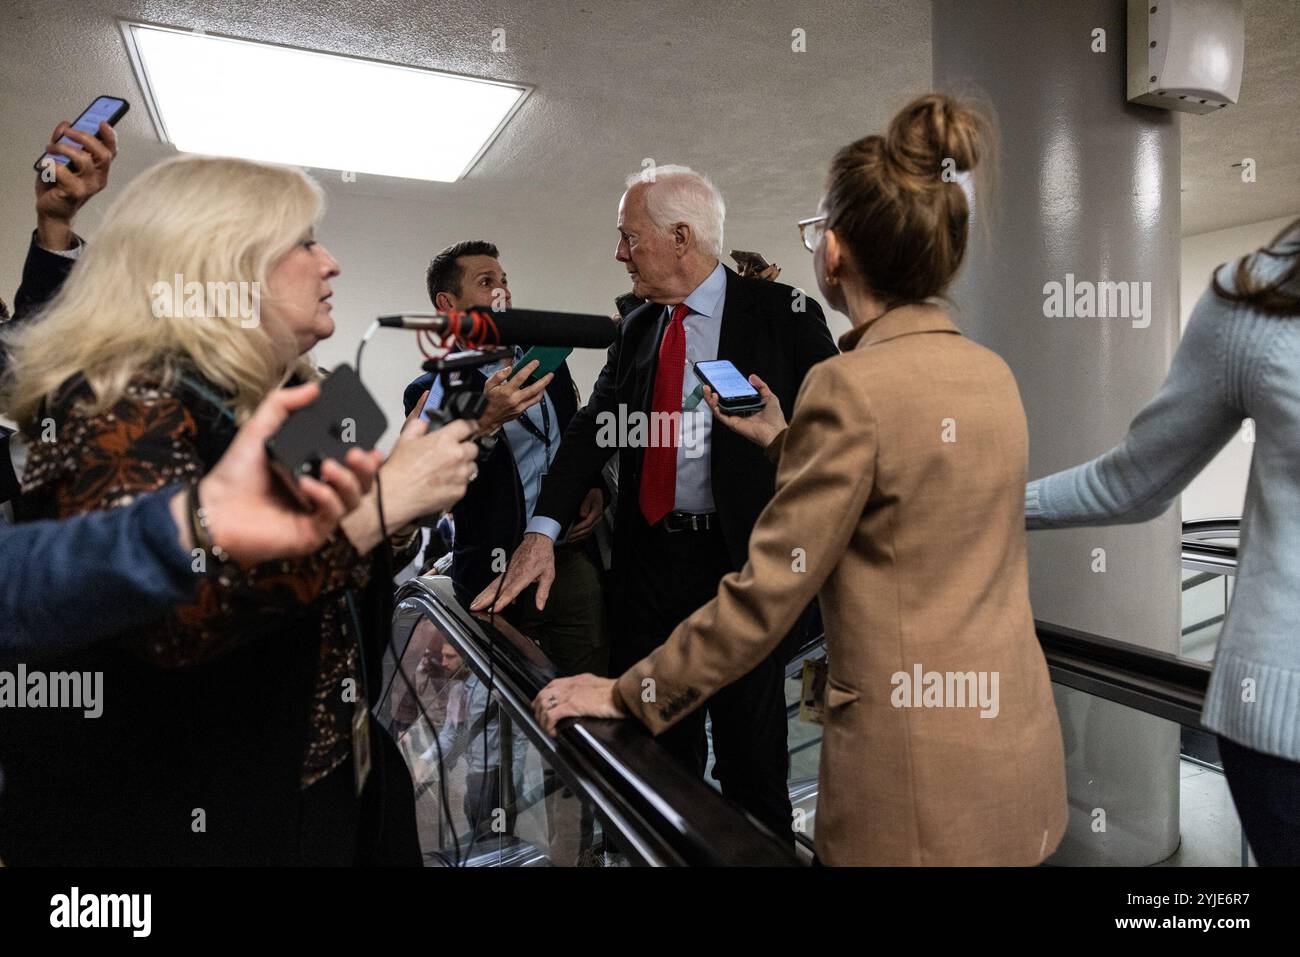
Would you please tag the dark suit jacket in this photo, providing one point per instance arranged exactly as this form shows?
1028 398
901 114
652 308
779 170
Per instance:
491 515
761 333
44 273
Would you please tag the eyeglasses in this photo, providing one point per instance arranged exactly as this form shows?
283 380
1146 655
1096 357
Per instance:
810 231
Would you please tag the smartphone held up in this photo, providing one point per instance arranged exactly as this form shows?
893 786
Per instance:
104 109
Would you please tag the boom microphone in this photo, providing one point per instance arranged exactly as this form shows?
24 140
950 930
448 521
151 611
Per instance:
510 327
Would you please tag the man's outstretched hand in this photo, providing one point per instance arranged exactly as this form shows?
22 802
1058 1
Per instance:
509 395
589 513
533 561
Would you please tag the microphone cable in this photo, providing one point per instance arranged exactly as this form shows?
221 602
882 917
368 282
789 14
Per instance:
482 325
491 686
385 562
520 516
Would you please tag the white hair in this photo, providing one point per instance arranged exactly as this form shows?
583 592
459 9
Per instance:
678 194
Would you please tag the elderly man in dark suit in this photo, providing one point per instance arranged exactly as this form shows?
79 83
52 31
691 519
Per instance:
685 507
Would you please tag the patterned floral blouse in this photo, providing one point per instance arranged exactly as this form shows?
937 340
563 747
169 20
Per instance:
151 438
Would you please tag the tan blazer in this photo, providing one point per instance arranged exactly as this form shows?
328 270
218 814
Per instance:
900 502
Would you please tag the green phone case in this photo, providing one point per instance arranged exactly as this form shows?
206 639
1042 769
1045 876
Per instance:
548 357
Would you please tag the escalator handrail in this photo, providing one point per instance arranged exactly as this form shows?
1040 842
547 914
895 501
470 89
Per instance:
669 815
1217 559
1204 548
1154 682
1200 528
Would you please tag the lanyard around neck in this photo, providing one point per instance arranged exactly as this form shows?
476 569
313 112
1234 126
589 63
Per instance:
542 435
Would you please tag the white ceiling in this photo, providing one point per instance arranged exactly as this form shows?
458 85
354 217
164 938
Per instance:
704 84
1264 125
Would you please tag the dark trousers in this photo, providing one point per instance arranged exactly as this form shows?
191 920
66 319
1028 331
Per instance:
673 574
572 634
1266 790
338 829
483 795
571 628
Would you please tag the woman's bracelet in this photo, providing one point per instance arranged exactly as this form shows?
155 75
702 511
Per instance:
199 527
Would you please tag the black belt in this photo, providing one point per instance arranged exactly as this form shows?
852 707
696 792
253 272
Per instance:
690 521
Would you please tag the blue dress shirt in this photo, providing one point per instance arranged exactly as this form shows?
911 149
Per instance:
532 455
703 327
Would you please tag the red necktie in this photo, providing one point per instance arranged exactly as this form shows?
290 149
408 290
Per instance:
659 473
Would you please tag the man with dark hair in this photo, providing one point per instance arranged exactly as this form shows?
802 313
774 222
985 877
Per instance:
529 420
446 273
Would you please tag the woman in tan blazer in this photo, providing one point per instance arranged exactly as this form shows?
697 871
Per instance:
900 503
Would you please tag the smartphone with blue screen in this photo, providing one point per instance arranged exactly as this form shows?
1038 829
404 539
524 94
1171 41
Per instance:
735 394
105 109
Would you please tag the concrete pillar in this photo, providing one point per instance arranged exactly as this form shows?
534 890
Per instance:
1087 192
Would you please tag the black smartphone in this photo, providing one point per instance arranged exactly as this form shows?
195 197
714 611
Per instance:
735 395
755 261
344 416
105 109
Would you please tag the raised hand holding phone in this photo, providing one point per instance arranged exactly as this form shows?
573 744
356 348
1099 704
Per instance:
760 428
736 394
73 168
510 395
248 517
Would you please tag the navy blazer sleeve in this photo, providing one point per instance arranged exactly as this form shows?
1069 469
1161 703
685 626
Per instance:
67 583
415 390
44 274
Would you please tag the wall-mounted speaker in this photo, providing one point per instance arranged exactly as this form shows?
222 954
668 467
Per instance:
1185 54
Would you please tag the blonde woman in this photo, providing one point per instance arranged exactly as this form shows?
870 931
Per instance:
234 730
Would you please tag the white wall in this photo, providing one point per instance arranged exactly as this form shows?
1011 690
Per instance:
1220 490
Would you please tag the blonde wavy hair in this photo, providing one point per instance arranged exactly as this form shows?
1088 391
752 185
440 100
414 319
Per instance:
205 219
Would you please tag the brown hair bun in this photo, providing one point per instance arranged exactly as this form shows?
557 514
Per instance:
929 130
896 203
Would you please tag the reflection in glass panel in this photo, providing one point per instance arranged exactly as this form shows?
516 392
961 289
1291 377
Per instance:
485 795
1188 823
1206 596
804 743
804 740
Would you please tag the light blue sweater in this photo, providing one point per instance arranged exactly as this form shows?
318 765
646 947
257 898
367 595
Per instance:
1232 363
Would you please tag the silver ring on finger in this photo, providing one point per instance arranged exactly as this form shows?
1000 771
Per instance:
551 702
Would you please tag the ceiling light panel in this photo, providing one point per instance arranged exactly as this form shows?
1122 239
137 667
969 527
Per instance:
228 97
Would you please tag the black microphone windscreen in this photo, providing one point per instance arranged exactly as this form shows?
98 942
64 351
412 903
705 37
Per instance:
540 327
